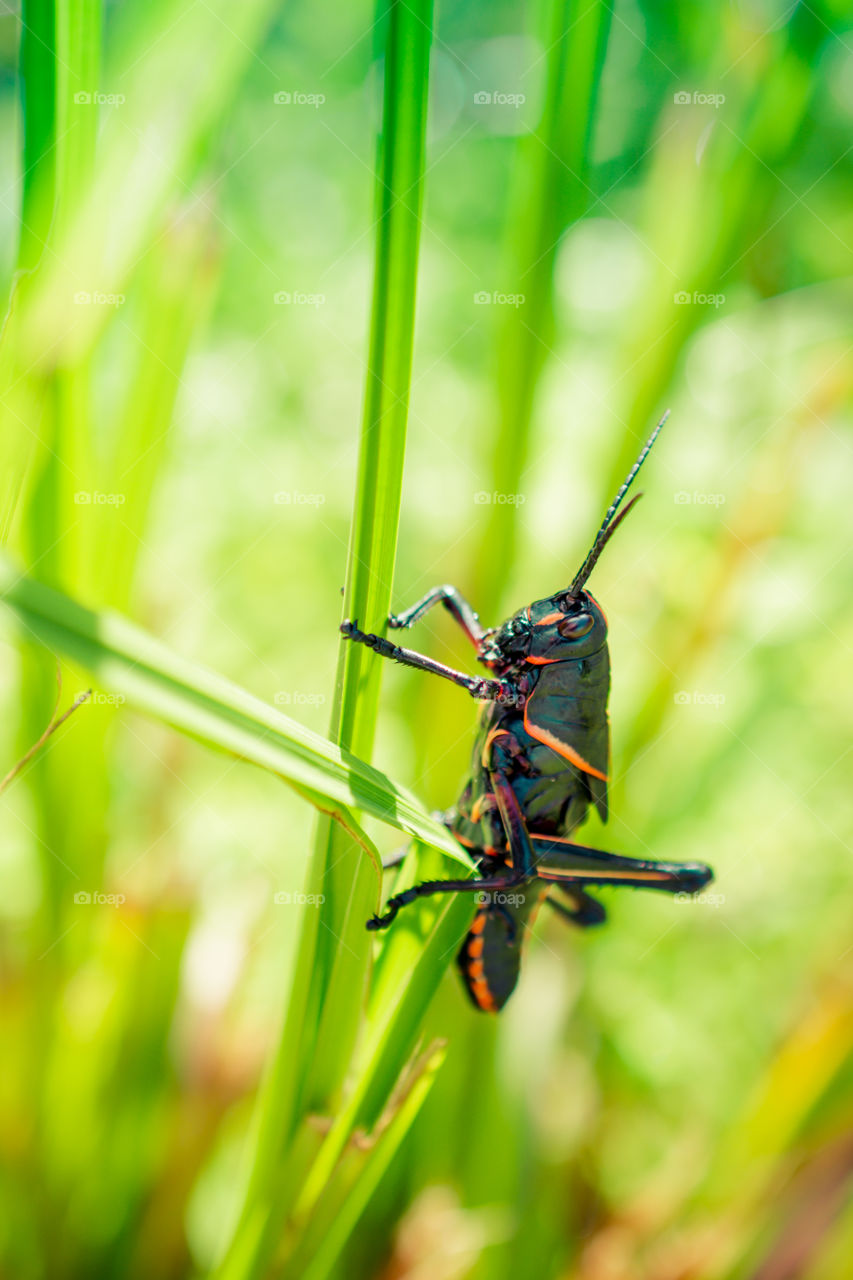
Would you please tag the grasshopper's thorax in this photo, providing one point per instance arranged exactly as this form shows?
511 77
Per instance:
554 653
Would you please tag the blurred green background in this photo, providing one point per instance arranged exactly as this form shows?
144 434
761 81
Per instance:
623 211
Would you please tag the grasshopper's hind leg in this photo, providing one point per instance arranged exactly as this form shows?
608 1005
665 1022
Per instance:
579 908
561 861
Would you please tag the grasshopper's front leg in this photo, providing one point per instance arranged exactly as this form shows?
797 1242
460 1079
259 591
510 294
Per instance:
486 690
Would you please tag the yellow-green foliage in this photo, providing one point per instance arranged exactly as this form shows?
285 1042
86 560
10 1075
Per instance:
277 329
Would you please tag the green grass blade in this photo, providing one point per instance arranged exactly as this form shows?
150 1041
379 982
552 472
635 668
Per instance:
171 112
361 1172
376 515
206 706
330 979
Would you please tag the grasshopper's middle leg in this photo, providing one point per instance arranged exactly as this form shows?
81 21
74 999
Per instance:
520 851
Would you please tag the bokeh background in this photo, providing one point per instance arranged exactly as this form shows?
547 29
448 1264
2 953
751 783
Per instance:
667 1097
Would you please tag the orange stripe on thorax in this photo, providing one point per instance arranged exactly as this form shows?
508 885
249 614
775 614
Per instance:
561 748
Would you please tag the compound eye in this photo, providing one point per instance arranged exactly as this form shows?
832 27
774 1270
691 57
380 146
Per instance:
576 626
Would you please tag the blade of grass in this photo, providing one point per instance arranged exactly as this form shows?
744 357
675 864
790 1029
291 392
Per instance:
373 539
171 112
126 660
325 1003
19 402
412 963
361 1172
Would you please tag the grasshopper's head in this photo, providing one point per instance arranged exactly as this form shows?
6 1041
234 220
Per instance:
555 629
564 626
569 624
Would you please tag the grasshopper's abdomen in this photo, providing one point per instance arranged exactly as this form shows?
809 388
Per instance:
490 957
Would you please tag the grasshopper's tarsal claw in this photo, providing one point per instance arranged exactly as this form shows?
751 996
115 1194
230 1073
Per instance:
375 923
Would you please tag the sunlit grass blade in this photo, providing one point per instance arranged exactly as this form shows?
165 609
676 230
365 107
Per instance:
373 539
329 983
361 1170
170 112
126 660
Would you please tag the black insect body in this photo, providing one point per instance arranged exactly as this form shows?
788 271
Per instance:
540 760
